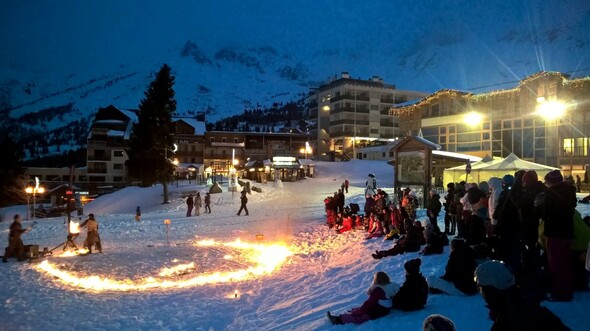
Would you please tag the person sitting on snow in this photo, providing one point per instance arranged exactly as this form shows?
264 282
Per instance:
410 242
458 277
377 305
414 292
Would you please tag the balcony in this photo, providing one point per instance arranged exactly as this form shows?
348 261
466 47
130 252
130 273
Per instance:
99 157
361 97
350 110
97 170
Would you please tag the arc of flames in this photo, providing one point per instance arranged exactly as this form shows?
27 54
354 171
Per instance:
266 258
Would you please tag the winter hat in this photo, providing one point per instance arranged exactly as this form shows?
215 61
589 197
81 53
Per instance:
474 194
554 177
495 274
437 322
451 186
484 187
529 178
508 180
413 266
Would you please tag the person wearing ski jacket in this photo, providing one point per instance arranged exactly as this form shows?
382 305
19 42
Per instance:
377 305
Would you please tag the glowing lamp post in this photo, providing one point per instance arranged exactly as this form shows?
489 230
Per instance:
33 190
551 111
167 223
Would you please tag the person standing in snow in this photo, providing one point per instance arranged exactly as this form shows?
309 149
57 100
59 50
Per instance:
243 203
92 237
346 184
189 205
377 305
198 203
15 243
138 214
208 203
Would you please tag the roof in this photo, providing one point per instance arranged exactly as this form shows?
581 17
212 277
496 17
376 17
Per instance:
510 163
199 126
454 155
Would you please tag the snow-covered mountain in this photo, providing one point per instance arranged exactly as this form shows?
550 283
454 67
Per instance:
230 55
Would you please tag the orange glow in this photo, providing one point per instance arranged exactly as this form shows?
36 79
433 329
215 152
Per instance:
74 227
265 258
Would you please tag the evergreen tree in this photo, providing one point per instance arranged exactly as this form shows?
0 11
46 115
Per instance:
11 173
152 138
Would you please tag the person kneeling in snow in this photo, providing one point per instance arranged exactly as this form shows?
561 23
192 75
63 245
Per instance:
377 305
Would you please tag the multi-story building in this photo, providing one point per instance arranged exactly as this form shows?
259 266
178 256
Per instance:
222 148
350 112
545 119
190 140
108 142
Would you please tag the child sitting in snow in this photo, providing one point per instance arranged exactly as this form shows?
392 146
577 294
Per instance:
410 242
377 305
375 227
414 292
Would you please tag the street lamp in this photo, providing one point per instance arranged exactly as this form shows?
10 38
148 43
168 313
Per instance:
33 190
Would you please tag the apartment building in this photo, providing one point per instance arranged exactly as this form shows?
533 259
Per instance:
545 119
352 112
107 144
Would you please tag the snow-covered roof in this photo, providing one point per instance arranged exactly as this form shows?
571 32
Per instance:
457 155
198 125
132 115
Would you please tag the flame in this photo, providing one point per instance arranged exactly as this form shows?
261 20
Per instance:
74 227
180 269
266 259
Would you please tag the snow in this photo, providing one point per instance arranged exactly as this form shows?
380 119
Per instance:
327 271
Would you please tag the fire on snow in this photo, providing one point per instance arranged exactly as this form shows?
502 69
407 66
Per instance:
265 257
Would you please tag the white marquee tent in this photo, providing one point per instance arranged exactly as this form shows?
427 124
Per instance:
486 168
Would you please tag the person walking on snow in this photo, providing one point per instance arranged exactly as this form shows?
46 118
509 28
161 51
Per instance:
243 202
189 205
198 203
207 203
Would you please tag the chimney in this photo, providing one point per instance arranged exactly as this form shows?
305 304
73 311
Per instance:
345 75
377 79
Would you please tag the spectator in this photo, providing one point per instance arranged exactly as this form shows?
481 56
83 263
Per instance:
414 292
410 242
508 307
458 277
243 203
207 203
377 305
437 322
198 204
189 205
556 207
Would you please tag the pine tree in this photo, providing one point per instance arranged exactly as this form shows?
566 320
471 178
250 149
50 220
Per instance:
152 138
11 172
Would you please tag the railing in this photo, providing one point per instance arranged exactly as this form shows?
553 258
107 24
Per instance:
99 157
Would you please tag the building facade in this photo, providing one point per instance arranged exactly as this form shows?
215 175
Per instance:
108 142
545 119
351 112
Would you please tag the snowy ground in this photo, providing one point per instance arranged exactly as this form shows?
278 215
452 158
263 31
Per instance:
326 271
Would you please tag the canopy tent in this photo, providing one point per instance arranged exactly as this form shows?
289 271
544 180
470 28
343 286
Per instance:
486 168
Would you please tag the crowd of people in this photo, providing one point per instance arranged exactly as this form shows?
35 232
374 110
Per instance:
525 229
